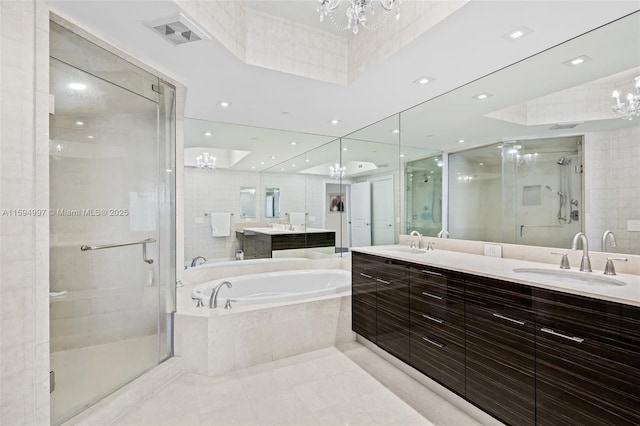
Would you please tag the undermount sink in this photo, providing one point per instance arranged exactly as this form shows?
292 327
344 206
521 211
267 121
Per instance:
569 277
405 250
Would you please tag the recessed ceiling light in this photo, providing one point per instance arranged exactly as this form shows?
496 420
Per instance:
440 163
401 155
77 86
483 96
294 143
207 133
480 164
395 131
345 149
432 172
307 160
90 137
282 170
423 80
79 123
577 61
253 167
517 33
273 157
293 165
224 104
168 170
460 140
262 163
334 121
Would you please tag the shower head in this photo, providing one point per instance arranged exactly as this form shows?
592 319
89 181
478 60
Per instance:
562 161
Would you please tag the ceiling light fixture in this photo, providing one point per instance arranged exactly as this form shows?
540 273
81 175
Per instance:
206 161
577 61
631 108
517 33
423 80
334 121
395 131
357 13
90 137
207 133
224 104
294 143
273 157
77 86
337 172
483 96
79 123
460 140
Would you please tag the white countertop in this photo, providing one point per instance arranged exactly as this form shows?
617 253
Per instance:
276 231
502 269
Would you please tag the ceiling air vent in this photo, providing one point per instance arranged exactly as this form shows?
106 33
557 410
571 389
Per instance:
563 126
177 29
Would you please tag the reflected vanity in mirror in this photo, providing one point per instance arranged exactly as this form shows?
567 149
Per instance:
247 203
272 202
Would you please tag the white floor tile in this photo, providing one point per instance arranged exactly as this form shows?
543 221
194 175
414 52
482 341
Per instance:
343 414
266 383
356 383
213 393
233 415
384 407
283 408
321 393
413 420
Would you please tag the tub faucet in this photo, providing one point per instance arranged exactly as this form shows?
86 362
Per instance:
213 300
419 235
608 235
585 265
194 261
442 232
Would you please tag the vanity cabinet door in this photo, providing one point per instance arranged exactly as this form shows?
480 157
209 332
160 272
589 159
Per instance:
363 296
437 325
500 349
588 361
392 278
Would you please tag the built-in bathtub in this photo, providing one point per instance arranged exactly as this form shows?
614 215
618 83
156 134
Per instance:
222 263
276 315
274 287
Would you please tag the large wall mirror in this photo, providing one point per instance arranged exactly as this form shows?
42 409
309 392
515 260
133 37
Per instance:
549 158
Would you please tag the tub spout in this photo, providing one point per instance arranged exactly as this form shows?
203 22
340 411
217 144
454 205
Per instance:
194 261
213 300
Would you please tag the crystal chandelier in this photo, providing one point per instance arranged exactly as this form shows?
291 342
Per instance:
337 172
357 12
631 109
206 161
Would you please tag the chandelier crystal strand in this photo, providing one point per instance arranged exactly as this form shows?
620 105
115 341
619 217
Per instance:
206 161
630 109
356 12
337 172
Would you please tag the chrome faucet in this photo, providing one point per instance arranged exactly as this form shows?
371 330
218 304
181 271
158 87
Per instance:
442 232
194 261
608 235
213 300
419 235
585 265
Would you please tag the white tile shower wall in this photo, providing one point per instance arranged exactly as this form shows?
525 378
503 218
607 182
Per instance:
24 242
227 341
611 168
219 191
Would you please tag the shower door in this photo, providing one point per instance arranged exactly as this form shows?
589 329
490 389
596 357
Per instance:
110 224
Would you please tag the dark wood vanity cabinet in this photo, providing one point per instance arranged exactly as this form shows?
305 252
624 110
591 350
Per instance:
587 361
380 302
437 325
524 354
500 352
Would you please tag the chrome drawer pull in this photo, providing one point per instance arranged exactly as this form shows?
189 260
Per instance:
440 345
573 338
432 295
509 319
431 273
365 275
438 320
382 281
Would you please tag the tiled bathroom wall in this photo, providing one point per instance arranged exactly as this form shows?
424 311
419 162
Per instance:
611 167
24 238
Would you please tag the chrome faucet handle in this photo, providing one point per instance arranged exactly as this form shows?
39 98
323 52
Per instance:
227 305
430 245
199 303
413 244
564 263
609 269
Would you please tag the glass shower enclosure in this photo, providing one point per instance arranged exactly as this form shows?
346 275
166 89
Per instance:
112 230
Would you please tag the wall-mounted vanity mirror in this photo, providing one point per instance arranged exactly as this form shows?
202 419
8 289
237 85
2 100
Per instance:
554 158
272 203
247 203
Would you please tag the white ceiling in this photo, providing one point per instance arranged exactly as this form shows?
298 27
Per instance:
462 48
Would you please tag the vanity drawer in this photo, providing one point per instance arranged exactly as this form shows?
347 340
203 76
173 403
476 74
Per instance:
424 299
435 284
438 358
393 296
505 298
450 330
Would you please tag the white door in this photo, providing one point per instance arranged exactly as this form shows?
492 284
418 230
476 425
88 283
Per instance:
382 201
361 214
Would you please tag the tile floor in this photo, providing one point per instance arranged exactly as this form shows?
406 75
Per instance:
346 386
